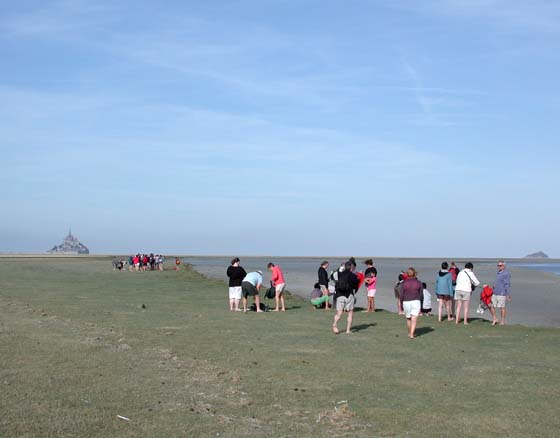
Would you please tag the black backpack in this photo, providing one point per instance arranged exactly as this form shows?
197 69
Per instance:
343 284
270 293
263 307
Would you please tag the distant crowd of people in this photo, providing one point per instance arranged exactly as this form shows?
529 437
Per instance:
453 289
140 262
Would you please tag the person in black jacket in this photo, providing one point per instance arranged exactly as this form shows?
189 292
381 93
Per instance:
345 288
324 281
236 275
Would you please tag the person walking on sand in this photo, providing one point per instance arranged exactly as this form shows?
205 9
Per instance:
444 291
279 284
466 283
411 294
345 288
324 281
250 287
236 275
501 293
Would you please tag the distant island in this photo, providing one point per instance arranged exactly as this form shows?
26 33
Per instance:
536 255
70 245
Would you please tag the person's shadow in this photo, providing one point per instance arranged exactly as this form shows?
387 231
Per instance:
421 331
360 327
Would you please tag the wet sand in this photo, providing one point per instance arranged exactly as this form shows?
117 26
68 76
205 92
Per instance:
535 294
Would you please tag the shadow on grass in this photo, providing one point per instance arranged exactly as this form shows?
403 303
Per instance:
360 327
421 331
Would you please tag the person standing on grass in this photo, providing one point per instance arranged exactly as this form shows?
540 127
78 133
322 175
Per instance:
370 281
444 291
426 301
250 287
411 294
345 288
501 293
466 283
324 281
236 275
397 290
279 284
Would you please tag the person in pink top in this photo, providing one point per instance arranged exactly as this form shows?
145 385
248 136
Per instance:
279 284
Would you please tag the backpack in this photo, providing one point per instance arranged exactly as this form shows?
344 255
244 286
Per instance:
263 307
343 284
270 293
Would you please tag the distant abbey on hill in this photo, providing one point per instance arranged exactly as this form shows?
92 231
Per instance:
70 245
536 255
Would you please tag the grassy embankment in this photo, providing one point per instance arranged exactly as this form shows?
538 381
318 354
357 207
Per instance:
78 348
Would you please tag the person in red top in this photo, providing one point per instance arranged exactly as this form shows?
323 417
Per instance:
454 270
279 284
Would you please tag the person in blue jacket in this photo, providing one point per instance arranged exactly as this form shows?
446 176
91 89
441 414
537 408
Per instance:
444 291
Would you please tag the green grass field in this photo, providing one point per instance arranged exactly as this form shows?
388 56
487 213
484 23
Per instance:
81 344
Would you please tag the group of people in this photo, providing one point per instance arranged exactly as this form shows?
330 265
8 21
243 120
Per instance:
140 262
453 288
243 285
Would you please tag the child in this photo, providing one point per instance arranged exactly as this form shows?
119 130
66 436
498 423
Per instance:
371 285
318 299
427 301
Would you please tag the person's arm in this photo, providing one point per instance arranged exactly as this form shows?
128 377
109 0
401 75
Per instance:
507 284
475 280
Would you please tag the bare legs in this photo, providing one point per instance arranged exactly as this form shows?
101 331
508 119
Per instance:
257 300
461 303
234 304
399 306
503 314
279 299
337 317
449 308
448 304
370 304
411 325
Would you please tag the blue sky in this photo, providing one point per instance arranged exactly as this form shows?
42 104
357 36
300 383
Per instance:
282 127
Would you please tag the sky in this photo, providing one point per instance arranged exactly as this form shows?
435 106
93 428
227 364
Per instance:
281 127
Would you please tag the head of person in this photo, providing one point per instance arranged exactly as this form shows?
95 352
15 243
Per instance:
348 265
453 265
235 261
317 286
411 272
352 260
469 265
444 265
270 266
368 262
325 264
501 265
424 285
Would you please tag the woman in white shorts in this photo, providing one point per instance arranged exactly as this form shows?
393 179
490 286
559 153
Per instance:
411 291
236 275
